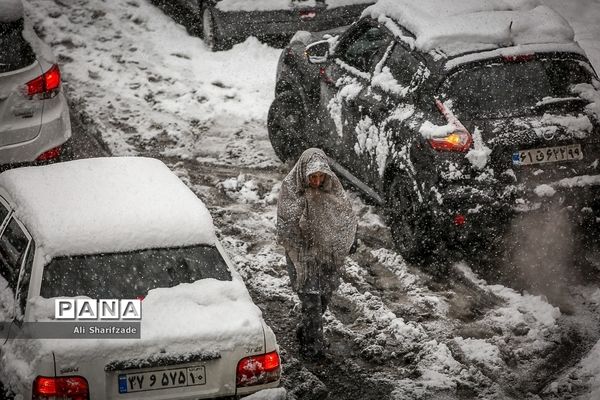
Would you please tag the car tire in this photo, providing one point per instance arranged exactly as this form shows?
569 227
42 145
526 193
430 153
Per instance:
411 228
286 124
210 34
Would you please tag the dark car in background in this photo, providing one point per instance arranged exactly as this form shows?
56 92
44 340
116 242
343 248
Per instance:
455 118
222 23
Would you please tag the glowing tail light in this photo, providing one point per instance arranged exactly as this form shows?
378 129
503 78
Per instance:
49 154
46 85
519 58
64 388
459 140
258 370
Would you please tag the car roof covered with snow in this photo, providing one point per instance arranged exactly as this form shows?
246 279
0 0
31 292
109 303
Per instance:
10 10
452 28
106 205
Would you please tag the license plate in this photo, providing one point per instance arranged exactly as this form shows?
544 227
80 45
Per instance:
163 379
548 155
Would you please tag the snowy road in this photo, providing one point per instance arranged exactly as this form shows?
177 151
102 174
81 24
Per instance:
139 84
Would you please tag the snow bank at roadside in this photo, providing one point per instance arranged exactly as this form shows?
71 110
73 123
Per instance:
273 5
150 84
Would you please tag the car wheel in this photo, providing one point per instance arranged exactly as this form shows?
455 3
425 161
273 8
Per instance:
286 124
213 40
410 226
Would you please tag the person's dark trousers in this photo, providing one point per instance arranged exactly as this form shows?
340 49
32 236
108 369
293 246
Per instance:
314 295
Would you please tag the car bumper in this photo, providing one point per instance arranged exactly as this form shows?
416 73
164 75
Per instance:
240 24
55 130
490 213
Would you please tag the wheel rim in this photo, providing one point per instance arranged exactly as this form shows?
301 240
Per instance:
208 29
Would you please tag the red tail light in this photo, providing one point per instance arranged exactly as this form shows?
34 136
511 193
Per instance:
519 58
50 154
459 220
460 140
66 387
46 85
258 370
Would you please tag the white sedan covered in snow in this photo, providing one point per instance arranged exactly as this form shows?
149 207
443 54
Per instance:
123 228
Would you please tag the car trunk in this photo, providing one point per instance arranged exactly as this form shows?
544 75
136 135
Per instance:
526 112
541 149
197 322
170 360
20 116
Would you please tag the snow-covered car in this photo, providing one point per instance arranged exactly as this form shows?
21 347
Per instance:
34 115
456 115
224 22
123 228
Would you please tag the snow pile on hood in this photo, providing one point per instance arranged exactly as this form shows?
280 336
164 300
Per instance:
10 10
457 27
107 205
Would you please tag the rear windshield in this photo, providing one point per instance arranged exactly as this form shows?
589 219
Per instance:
512 89
15 51
132 274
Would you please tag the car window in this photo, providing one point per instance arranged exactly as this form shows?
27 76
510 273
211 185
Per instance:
505 89
15 51
13 244
361 50
24 279
3 211
132 274
405 68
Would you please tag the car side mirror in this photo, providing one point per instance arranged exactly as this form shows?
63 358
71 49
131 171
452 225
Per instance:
317 52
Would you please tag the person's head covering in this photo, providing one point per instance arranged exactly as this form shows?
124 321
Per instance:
317 223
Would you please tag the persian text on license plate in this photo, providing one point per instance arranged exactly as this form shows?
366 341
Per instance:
547 155
163 379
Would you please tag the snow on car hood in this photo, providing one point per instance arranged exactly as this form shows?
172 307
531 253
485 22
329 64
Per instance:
207 316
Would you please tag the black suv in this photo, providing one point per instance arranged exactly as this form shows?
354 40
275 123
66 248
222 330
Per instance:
454 145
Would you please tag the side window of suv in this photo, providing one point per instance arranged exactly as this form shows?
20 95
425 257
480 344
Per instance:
405 68
361 52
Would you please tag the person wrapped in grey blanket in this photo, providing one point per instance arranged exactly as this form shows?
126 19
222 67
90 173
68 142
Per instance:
317 228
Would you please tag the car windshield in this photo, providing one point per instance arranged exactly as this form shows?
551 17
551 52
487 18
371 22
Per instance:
15 52
132 274
512 89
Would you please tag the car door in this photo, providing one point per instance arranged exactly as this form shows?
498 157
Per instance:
378 116
350 71
15 256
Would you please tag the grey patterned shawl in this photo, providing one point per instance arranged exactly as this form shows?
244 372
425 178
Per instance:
315 226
